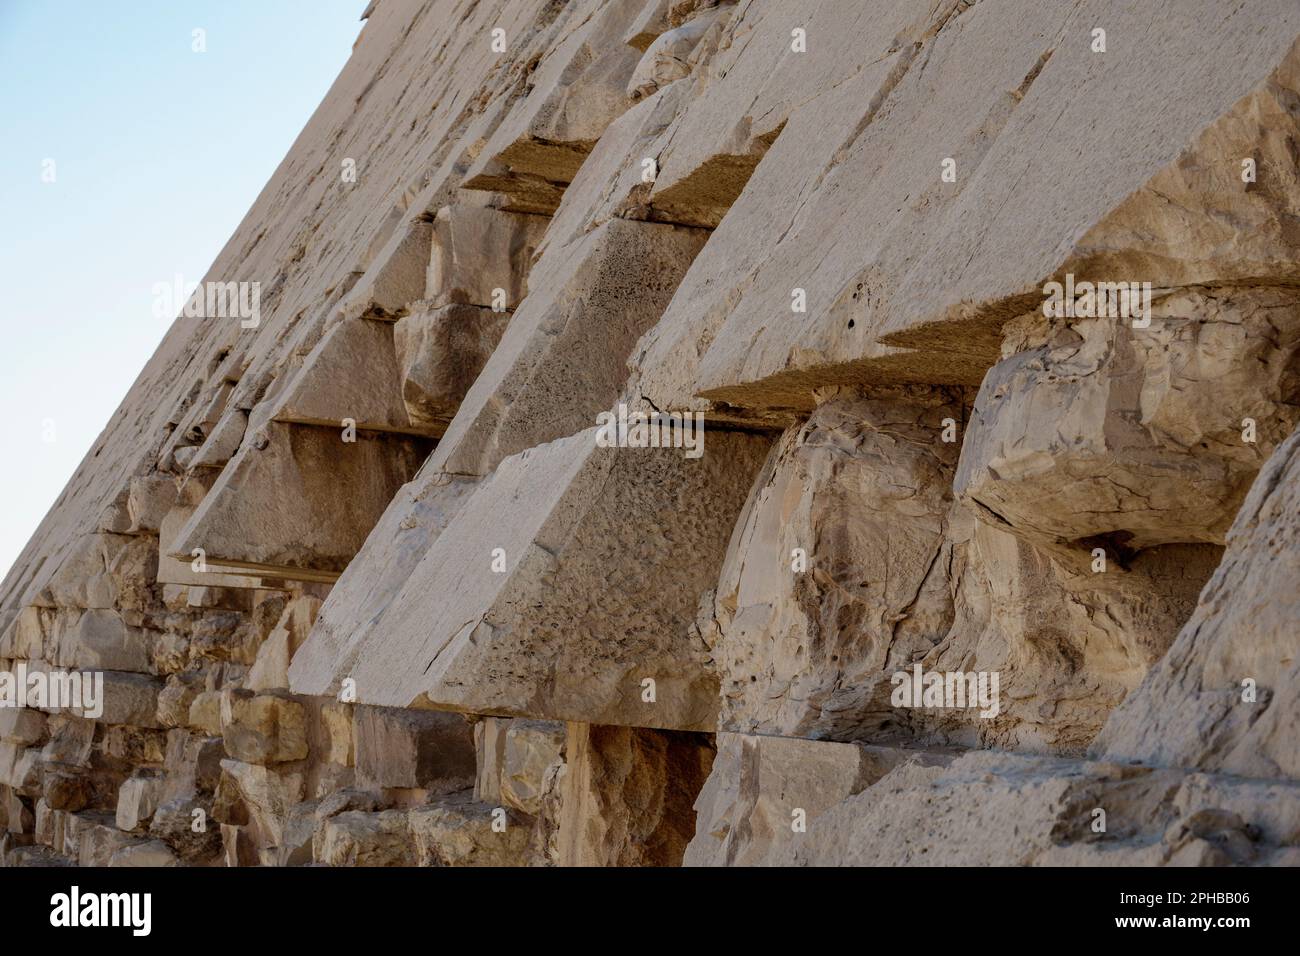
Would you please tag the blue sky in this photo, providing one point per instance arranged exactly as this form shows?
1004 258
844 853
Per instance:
158 152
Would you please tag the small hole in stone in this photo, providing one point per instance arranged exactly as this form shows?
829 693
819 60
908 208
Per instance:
850 323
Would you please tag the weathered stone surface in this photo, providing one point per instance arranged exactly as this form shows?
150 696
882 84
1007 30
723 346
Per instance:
456 831
355 838
1224 697
563 357
440 352
262 728
597 640
413 749
358 602
821 225
353 375
299 501
1136 434
532 761
919 810
271 669
578 88
481 256
610 771
137 800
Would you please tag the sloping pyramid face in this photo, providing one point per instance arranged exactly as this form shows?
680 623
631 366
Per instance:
710 432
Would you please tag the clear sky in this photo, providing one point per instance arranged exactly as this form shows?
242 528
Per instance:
158 151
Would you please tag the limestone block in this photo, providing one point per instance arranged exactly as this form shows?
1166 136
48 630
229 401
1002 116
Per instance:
25 638
357 603
150 498
270 670
98 838
490 752
205 713
995 809
764 794
565 629
261 728
99 639
103 571
838 573
649 23
128 699
478 251
195 839
1136 434
300 501
562 358
456 831
150 853
612 770
413 749
353 374
577 90
870 281
23 726
137 800
336 721
531 765
396 277
258 798
440 352
668 58
183 570
356 838
1225 696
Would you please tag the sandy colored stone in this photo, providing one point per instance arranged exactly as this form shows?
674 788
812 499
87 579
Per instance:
613 769
456 831
356 838
262 728
1193 709
477 251
1136 435
353 374
563 356
440 352
413 749
576 653
300 505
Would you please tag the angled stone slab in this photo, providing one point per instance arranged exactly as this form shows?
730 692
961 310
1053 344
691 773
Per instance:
562 359
577 90
352 374
594 598
359 600
890 253
477 251
396 277
298 501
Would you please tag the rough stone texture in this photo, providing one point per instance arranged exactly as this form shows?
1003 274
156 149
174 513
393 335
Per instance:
746 210
1194 709
588 651
1110 431
627 795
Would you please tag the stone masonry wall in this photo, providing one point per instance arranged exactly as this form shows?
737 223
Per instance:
925 563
